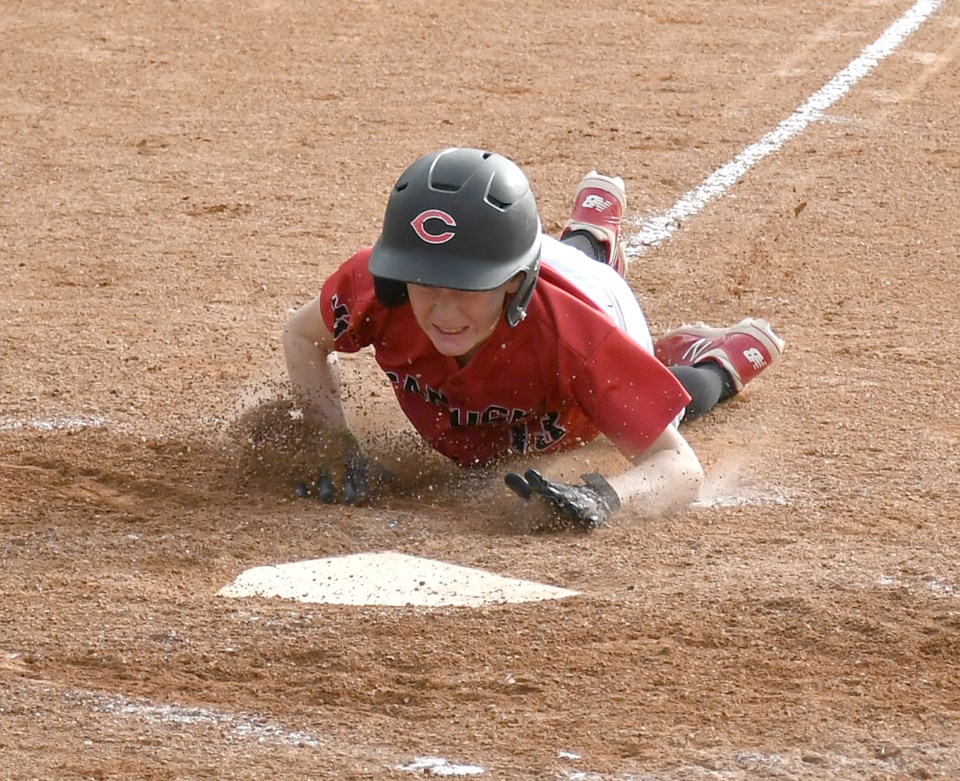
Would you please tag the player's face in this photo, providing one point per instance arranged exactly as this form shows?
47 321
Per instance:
459 321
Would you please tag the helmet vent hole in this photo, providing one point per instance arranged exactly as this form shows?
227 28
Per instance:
498 203
446 188
401 186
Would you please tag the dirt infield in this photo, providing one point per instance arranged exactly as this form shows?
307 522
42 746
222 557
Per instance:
177 176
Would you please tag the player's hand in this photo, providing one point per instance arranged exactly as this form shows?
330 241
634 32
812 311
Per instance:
346 474
361 480
577 507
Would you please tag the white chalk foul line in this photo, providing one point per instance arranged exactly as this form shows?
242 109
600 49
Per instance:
53 424
241 725
657 229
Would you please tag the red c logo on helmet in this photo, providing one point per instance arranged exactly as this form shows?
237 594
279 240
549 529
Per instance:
419 226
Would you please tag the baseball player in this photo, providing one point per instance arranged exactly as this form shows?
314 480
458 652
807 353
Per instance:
502 342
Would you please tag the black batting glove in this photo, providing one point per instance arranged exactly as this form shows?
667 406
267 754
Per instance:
356 482
362 478
578 507
321 487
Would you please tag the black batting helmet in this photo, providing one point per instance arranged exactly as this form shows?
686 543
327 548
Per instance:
463 219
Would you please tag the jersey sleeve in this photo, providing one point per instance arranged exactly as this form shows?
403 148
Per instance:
348 304
628 394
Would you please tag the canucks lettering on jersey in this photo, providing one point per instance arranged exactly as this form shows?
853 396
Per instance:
531 432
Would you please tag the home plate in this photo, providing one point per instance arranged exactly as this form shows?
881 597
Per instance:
386 579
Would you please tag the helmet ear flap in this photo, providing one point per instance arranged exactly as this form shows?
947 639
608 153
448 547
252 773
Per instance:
517 306
391 293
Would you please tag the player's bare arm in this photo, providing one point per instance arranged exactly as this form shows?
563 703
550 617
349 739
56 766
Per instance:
312 367
665 477
342 472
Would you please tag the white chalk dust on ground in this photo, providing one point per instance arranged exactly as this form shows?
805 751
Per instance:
247 736
729 486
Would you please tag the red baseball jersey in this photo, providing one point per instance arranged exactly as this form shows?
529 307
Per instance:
557 380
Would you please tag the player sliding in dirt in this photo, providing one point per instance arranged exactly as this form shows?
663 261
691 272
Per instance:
503 342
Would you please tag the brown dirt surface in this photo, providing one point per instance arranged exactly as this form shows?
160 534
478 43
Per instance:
177 176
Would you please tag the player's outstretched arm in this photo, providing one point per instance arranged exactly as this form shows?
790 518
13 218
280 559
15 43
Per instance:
343 472
667 476
312 367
